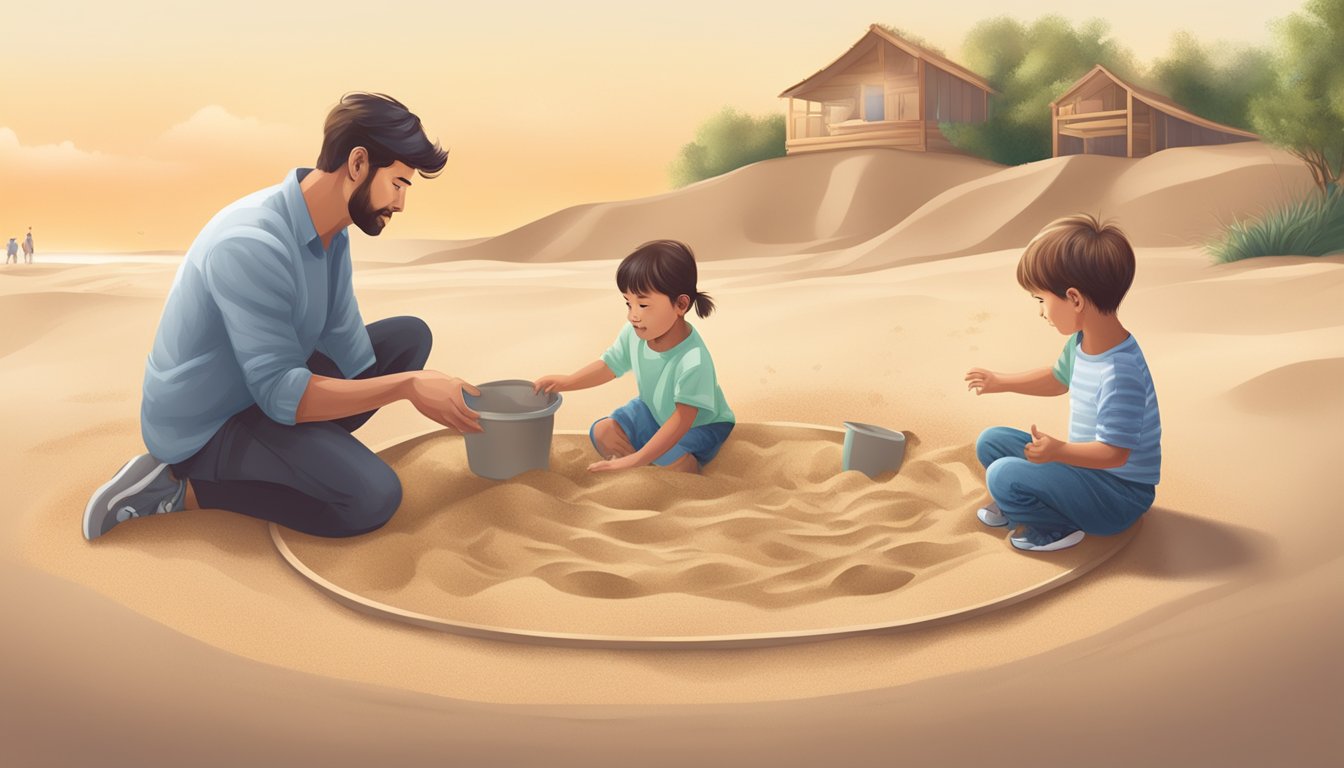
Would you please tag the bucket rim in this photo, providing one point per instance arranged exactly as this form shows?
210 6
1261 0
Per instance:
542 413
874 430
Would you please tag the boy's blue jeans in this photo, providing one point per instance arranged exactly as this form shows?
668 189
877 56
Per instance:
1056 497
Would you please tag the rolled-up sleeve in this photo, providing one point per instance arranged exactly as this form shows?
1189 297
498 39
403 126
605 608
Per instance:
250 279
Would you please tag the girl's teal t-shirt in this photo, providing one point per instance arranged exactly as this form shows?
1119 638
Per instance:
682 374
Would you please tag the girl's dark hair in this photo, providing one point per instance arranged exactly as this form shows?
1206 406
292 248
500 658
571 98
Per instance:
383 126
666 267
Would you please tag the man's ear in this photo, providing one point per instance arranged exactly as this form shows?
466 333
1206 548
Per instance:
357 164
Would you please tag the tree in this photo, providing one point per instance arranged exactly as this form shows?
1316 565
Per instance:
1304 109
727 141
1214 82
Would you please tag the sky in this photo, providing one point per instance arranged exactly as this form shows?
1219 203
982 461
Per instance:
125 126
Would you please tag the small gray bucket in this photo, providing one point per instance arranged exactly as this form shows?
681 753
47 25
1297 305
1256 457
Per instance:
518 425
872 450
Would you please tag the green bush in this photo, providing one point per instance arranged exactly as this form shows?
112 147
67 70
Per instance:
1310 227
1216 82
727 141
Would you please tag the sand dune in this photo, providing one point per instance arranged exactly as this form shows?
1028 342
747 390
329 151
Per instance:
782 206
1212 638
885 207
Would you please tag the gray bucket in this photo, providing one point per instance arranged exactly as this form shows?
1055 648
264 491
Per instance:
872 450
518 424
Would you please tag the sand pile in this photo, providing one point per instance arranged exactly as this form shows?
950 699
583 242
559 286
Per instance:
772 540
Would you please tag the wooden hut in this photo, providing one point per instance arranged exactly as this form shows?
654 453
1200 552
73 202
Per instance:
883 92
1104 115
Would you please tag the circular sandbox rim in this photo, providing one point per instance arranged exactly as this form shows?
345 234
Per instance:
697 642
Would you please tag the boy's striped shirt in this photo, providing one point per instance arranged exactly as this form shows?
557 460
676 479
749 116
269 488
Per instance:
1112 400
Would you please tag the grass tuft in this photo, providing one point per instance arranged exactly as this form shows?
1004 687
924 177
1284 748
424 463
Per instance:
1310 227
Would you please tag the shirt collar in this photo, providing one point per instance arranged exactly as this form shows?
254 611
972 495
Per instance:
300 220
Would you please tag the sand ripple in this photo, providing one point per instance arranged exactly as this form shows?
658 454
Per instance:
772 544
772 524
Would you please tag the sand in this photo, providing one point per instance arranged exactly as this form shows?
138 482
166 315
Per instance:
774 543
1210 639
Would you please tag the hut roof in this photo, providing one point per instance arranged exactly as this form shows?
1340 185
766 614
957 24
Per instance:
1154 99
860 48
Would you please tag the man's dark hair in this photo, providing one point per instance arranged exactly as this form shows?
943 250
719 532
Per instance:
383 126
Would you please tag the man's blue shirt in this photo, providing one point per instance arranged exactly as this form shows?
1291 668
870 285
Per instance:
255 296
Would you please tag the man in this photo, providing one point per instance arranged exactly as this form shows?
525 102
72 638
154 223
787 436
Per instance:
28 247
12 251
262 365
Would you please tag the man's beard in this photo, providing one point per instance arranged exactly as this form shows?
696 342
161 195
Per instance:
362 212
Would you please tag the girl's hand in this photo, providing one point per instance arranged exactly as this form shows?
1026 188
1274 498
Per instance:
983 382
1043 448
625 462
549 384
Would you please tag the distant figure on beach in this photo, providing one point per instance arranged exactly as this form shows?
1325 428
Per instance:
28 247
680 419
1105 476
262 365
12 251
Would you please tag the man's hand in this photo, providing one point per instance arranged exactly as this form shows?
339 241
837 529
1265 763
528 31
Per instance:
610 465
439 397
983 382
549 384
1043 448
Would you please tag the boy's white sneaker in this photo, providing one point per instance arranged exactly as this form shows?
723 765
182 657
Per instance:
991 516
1032 540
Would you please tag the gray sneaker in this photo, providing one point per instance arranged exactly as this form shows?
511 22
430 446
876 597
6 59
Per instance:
1033 540
143 487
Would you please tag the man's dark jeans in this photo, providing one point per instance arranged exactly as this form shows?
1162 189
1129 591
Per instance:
313 477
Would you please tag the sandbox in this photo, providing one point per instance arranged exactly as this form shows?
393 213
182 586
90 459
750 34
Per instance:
773 544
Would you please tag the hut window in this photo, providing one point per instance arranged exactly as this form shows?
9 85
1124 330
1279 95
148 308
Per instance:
873 106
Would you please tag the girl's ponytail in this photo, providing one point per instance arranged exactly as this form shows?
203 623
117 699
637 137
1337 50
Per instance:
703 304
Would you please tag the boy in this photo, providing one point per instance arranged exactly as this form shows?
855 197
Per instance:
1105 476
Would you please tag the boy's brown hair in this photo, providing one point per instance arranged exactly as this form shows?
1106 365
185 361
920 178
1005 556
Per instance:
1079 252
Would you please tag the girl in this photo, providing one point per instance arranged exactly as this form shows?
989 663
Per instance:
680 418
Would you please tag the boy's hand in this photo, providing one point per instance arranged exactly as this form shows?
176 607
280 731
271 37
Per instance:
983 382
625 462
549 384
439 397
1042 448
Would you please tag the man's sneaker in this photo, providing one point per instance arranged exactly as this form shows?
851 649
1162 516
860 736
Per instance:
143 487
1033 540
991 516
